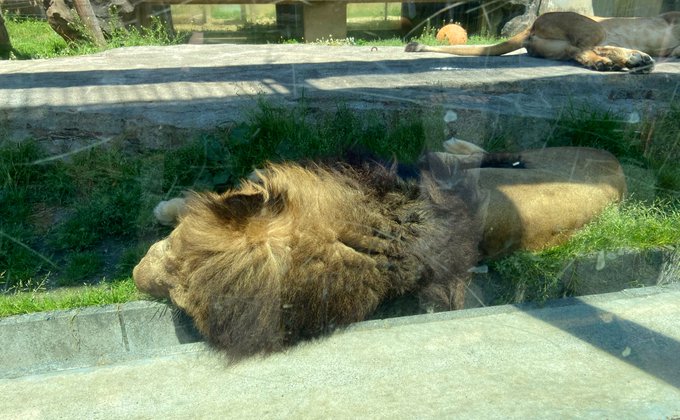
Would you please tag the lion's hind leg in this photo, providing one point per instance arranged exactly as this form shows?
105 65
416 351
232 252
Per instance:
607 58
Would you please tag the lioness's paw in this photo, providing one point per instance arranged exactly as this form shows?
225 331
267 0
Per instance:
616 58
639 62
604 64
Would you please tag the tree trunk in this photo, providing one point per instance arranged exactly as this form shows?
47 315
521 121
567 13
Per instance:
5 44
86 13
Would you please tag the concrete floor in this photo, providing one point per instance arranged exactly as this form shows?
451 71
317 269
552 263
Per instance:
606 356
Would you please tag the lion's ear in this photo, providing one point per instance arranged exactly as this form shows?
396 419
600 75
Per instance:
238 207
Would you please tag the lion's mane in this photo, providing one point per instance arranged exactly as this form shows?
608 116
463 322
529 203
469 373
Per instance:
305 249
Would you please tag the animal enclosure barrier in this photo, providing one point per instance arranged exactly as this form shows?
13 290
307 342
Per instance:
321 19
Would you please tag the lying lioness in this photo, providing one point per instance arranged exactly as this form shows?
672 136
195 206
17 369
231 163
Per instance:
604 44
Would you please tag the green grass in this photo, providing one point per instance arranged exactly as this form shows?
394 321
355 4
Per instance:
56 216
34 38
37 300
634 226
226 12
602 129
427 38
661 140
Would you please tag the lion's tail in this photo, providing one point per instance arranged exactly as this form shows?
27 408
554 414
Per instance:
512 44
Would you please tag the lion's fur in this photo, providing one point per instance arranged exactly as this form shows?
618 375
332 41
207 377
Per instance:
307 249
597 43
298 250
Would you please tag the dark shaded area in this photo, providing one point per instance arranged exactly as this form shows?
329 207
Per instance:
255 72
184 327
5 44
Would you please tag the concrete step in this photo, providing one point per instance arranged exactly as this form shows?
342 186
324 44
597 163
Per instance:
155 96
102 335
605 356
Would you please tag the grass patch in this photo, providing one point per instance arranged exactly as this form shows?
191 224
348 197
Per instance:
24 302
661 140
635 226
80 266
584 126
277 133
427 38
34 38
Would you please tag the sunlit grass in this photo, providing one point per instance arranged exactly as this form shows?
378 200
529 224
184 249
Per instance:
632 226
24 302
34 38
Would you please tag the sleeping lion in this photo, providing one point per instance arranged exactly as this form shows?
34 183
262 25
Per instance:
304 249
598 43
299 250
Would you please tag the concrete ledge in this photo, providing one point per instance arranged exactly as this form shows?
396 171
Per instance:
158 96
602 272
607 356
96 336
52 341
606 272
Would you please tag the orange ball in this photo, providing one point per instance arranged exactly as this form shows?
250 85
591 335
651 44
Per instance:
455 34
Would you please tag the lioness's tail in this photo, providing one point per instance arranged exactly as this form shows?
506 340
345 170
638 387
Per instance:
512 44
